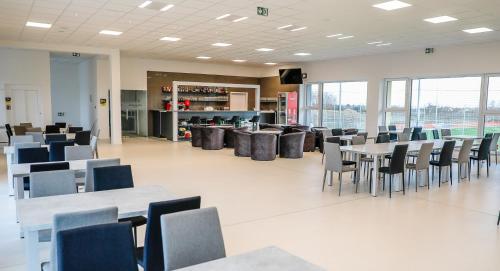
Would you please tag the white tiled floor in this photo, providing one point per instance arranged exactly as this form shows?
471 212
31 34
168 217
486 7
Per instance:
280 203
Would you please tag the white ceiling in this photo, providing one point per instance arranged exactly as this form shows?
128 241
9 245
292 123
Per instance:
79 21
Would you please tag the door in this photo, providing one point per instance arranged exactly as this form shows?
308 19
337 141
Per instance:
25 107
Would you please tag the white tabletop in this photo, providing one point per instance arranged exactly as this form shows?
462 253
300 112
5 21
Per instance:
37 213
22 170
463 137
388 148
266 259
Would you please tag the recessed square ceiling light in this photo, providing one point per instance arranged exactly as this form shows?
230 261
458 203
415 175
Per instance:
285 26
477 30
270 63
374 42
110 32
392 5
167 7
221 44
334 35
145 4
223 16
298 29
203 57
302 54
345 37
170 39
384 44
240 19
239 60
440 19
264 49
39 25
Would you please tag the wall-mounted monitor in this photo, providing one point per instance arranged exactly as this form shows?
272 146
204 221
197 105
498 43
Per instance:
290 76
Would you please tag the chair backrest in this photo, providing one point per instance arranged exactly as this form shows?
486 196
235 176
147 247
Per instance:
52 129
484 148
404 137
382 129
358 140
383 138
415 135
91 165
113 177
18 146
494 141
19 130
337 132
9 130
446 153
61 125
56 150
445 132
392 127
93 143
464 154
99 248
49 166
73 130
407 130
326 133
78 153
21 139
398 158
255 119
333 139
67 221
54 137
333 160
37 137
424 155
52 183
26 124
435 134
82 138
488 135
34 129
191 237
365 135
32 155
153 249
422 136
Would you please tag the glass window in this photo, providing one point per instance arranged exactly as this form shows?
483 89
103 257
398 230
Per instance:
331 105
396 94
353 98
493 93
397 118
446 103
311 105
491 124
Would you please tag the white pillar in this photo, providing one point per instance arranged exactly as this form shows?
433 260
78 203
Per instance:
115 103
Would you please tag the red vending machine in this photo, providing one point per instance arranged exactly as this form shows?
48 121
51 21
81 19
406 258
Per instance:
287 108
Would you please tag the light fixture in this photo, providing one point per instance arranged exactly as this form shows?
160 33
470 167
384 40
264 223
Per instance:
298 29
240 19
167 7
392 5
440 19
374 42
110 32
285 26
345 37
384 44
302 54
39 25
203 57
145 4
223 16
239 60
170 39
221 44
334 35
270 63
477 30
264 49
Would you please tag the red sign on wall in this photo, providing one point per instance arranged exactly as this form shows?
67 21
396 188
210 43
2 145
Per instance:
292 108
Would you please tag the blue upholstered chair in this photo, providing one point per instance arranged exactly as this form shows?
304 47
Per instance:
54 137
91 164
82 138
99 248
24 145
57 150
191 237
52 129
150 257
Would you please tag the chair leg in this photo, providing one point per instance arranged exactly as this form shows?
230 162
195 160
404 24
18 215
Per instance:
340 182
331 178
428 180
459 172
324 181
488 161
439 176
498 222
416 181
469 169
323 158
432 174
403 177
390 185
135 237
451 174
478 168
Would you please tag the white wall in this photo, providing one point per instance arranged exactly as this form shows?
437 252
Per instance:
102 87
65 91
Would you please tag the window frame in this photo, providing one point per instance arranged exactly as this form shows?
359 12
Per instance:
406 108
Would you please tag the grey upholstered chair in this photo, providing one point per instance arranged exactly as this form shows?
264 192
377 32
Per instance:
212 139
229 136
464 158
191 237
19 130
21 139
52 183
334 163
292 145
404 137
83 152
358 140
242 144
422 163
445 132
382 129
66 221
37 137
91 164
93 146
34 129
25 145
494 146
196 140
263 147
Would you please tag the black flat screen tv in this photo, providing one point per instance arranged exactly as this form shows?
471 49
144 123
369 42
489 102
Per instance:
290 76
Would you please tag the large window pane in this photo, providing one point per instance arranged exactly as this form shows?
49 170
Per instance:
353 105
494 93
311 105
492 124
331 105
396 94
446 103
395 118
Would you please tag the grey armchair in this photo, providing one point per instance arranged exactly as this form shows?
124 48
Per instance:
196 136
212 138
263 147
242 144
292 145
229 136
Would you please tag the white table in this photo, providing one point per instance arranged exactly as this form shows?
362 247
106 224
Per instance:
266 259
462 137
37 213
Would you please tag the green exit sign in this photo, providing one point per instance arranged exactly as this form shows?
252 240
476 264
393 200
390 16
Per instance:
262 11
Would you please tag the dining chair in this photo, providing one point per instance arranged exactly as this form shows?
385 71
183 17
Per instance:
73 220
358 140
191 237
61 125
72 153
56 150
52 129
21 139
82 138
150 257
34 129
382 129
93 146
52 183
396 166
483 154
421 164
383 138
9 132
32 155
91 165
392 128
364 134
329 139
334 163
464 158
74 129
445 132
19 130
37 137
435 134
54 137
415 135
101 247
407 130
422 136
26 145
493 146
337 132
404 137
444 160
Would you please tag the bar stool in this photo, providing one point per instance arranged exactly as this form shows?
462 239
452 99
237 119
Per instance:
255 121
